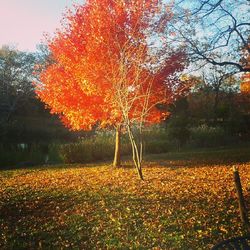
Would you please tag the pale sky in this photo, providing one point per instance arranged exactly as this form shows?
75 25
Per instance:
23 22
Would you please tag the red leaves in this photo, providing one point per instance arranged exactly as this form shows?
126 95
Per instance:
103 63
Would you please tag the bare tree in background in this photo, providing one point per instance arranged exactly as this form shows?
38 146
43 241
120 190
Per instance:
16 77
16 88
215 32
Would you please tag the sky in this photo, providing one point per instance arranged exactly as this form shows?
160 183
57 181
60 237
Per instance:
23 22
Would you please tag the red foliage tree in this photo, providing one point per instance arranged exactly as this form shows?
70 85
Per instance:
109 67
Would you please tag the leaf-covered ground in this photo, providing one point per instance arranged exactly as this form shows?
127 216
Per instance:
178 206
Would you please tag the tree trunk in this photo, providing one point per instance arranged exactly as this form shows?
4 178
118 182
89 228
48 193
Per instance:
139 171
117 156
137 153
215 107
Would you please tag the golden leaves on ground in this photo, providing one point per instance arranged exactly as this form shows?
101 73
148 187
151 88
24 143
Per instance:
101 207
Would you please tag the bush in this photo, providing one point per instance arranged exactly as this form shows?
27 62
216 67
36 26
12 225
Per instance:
101 147
157 141
177 130
75 153
158 147
205 136
21 155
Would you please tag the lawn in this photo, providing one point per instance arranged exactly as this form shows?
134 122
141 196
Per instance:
187 203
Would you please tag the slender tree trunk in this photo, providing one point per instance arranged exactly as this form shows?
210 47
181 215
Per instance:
137 153
215 107
117 156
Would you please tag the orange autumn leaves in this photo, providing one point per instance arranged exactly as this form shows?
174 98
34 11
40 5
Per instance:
105 68
245 84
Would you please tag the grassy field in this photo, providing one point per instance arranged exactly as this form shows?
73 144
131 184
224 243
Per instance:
187 201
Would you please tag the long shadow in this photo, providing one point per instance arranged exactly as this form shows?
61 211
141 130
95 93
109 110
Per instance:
41 220
110 218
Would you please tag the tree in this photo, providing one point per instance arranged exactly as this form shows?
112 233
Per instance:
15 78
16 87
179 121
214 31
218 85
109 69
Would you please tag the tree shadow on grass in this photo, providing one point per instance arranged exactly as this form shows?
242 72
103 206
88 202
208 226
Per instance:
110 217
42 221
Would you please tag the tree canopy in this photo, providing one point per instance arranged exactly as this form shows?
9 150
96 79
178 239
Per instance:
108 65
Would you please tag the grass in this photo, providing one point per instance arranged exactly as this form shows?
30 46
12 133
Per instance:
186 202
224 155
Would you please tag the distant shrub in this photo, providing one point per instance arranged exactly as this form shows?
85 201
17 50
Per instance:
205 136
54 155
75 153
21 155
177 130
158 147
99 147
157 140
